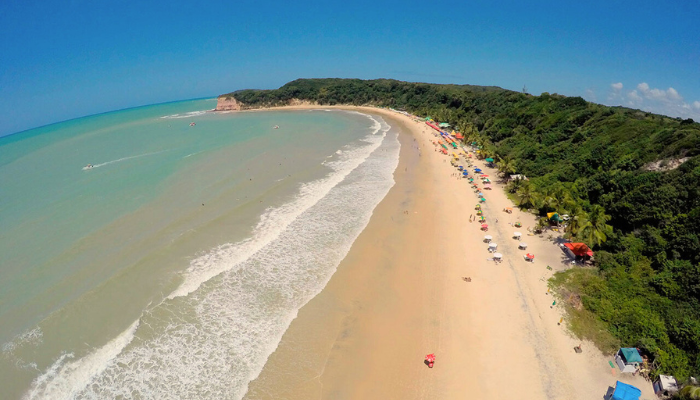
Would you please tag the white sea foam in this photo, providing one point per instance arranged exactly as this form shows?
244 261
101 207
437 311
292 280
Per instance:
31 337
190 114
214 333
65 380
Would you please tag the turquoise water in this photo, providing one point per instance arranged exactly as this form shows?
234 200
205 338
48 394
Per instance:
172 266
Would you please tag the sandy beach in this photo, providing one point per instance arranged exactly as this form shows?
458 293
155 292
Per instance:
400 294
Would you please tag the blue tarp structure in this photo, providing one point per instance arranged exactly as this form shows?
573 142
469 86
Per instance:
624 391
631 355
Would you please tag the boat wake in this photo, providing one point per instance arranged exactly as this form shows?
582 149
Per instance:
91 166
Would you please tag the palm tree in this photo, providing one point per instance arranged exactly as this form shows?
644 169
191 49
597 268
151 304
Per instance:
595 232
691 392
527 197
577 221
506 166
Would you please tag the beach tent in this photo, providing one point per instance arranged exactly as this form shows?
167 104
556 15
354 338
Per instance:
628 359
579 249
624 391
553 216
489 159
444 125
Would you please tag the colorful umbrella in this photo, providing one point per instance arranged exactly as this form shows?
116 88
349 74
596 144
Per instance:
430 358
530 256
484 225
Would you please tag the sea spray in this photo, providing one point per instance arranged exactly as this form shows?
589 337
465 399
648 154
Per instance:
214 334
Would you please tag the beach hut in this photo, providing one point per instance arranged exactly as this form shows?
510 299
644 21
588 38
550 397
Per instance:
487 238
493 247
624 391
628 359
517 235
554 217
578 251
665 385
522 246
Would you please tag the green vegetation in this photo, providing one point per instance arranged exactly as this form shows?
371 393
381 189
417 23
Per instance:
593 163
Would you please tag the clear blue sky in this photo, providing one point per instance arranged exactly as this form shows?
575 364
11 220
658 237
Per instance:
65 59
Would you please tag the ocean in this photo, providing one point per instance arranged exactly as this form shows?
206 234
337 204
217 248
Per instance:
162 251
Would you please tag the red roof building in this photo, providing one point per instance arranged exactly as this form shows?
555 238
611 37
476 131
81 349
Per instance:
579 249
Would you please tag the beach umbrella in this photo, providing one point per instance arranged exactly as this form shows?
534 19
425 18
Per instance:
516 234
477 170
482 219
498 255
487 238
529 257
483 200
478 207
484 176
430 358
489 160
493 246
522 246
484 225
465 174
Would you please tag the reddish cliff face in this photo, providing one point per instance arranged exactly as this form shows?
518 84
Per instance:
227 104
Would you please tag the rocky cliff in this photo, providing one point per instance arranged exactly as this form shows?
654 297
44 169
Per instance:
224 103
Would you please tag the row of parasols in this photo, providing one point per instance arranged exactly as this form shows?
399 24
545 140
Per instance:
493 247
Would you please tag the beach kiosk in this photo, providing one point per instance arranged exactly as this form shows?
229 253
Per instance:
578 251
666 385
628 359
624 391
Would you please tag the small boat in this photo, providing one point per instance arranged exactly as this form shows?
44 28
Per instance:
89 166
192 124
277 126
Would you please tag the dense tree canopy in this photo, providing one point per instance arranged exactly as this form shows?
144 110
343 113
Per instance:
609 168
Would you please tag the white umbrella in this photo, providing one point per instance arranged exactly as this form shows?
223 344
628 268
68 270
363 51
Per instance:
523 245
488 238
498 255
517 234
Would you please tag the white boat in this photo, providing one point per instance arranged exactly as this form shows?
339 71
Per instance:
89 166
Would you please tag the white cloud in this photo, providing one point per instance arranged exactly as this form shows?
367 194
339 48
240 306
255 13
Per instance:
634 97
673 94
644 97
590 95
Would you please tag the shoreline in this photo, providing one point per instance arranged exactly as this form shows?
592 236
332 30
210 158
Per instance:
398 295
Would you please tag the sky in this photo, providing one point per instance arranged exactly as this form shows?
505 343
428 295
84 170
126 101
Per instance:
66 59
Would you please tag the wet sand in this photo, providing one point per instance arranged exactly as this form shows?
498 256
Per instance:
399 295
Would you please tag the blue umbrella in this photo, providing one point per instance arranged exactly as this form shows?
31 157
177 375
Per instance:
465 173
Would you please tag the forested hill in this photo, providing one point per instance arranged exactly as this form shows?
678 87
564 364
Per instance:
629 179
